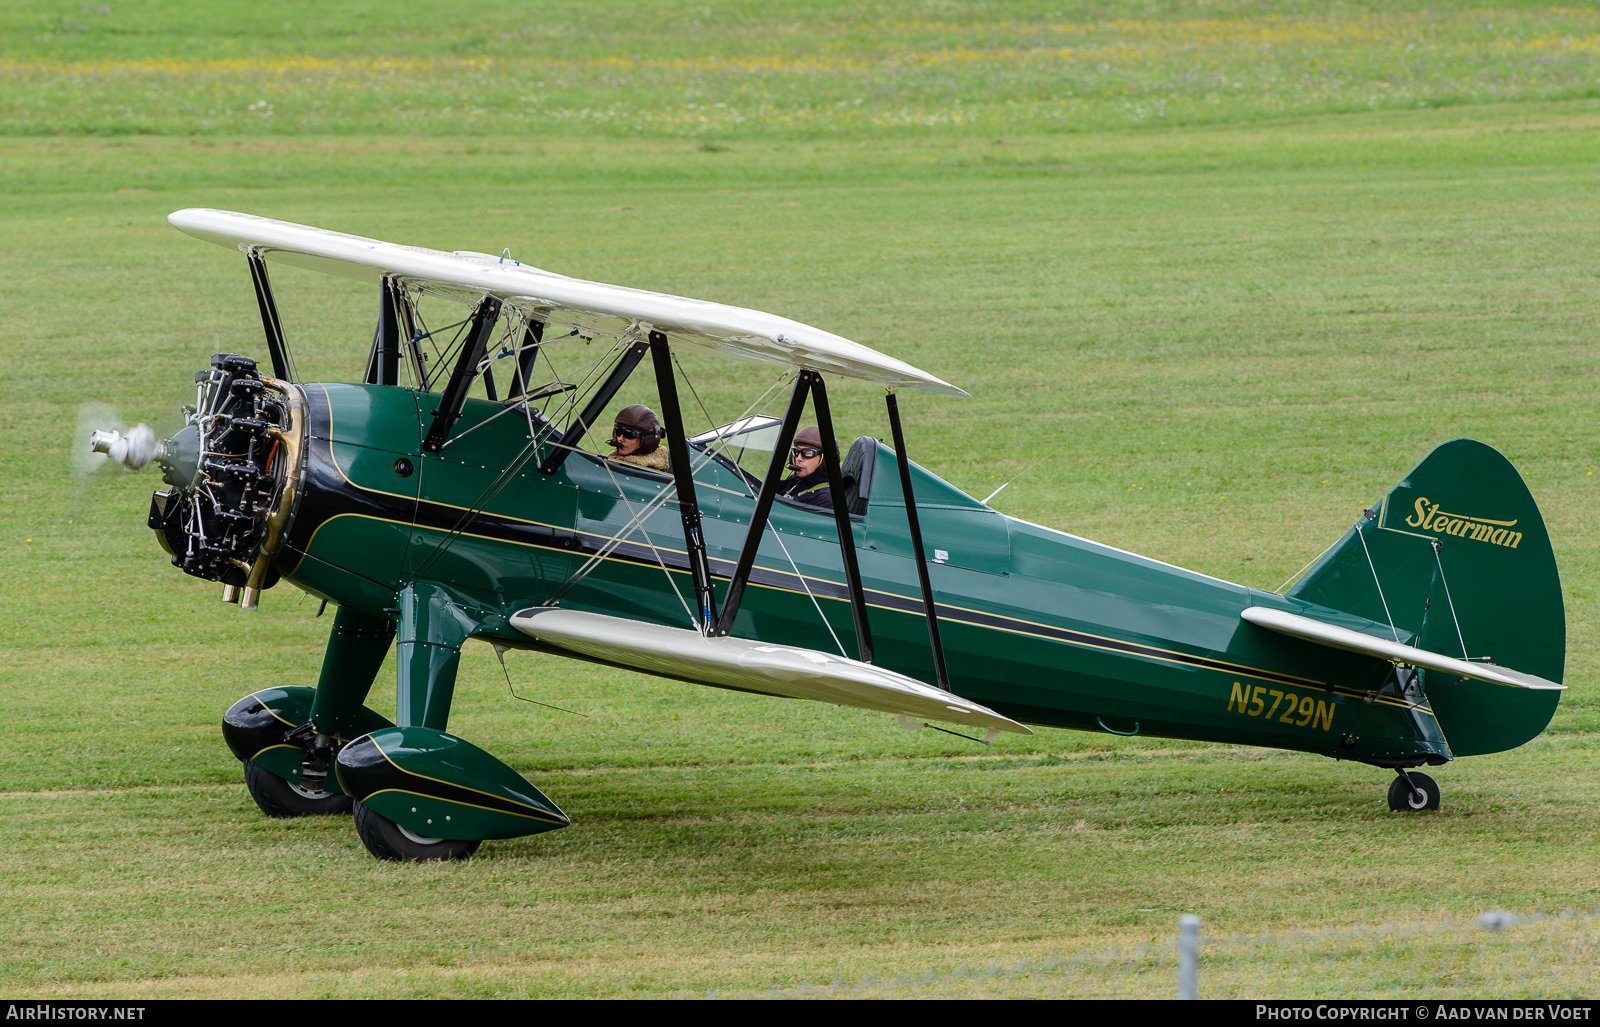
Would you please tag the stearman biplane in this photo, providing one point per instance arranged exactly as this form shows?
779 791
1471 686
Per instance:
456 493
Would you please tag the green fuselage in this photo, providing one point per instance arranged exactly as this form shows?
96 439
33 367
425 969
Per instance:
1042 626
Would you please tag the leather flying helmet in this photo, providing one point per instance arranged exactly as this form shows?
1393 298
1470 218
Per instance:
643 420
807 438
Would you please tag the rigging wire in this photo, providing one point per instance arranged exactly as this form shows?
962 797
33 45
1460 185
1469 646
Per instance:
1291 579
510 406
575 391
506 409
1020 473
492 490
805 585
653 550
1459 637
589 371
610 545
1375 581
615 541
441 358
710 421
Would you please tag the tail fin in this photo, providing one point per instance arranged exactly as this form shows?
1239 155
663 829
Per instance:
1456 556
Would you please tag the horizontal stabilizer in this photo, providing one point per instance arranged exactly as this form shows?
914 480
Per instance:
1355 641
751 666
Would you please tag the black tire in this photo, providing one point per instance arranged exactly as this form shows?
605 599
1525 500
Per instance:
386 839
279 798
1404 800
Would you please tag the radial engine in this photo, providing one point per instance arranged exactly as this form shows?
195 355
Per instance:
233 476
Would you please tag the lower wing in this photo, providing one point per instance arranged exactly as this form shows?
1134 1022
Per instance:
750 666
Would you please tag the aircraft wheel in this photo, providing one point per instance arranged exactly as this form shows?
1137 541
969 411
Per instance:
280 798
386 839
1405 800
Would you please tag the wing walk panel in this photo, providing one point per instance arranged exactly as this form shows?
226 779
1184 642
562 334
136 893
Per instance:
780 670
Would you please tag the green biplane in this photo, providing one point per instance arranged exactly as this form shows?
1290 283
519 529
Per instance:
450 495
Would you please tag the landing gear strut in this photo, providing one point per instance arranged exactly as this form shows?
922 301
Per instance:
1413 792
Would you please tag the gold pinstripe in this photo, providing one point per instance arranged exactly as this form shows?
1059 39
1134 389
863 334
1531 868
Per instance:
1116 647
472 805
1176 657
452 784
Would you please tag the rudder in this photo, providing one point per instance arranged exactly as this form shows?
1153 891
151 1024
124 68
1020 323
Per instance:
1456 555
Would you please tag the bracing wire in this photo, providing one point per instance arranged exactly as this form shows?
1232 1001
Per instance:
1459 637
1296 575
610 545
489 493
510 406
1020 473
653 550
710 421
486 497
806 585
1378 583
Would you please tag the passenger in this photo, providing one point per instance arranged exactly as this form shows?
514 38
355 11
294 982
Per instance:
637 436
809 482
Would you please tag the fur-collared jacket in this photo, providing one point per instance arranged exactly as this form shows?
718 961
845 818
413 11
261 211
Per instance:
658 460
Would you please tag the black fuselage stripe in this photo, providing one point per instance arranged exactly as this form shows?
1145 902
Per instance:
383 776
441 517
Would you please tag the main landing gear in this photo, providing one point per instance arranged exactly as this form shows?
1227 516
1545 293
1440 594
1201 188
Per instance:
1413 792
418 792
280 798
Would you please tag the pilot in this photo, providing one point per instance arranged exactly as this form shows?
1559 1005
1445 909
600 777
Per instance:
809 482
637 436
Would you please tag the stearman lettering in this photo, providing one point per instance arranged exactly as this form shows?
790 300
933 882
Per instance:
1431 517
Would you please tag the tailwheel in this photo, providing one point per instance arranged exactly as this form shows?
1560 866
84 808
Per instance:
386 839
280 798
1413 793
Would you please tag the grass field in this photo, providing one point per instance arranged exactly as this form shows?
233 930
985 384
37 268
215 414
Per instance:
1246 320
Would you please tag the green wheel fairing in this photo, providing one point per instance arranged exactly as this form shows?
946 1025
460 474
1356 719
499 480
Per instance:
439 786
255 729
283 761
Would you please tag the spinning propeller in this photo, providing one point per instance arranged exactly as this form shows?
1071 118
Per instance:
132 450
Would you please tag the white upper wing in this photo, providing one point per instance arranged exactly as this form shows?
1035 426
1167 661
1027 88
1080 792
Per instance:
738 331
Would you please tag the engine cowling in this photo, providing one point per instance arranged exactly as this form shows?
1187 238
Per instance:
233 476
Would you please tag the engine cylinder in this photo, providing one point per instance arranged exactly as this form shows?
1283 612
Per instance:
230 473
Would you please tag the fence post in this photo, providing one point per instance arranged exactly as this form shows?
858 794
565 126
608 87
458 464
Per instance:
1188 956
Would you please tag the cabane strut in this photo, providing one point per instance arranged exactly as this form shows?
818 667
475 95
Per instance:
277 346
473 348
383 364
